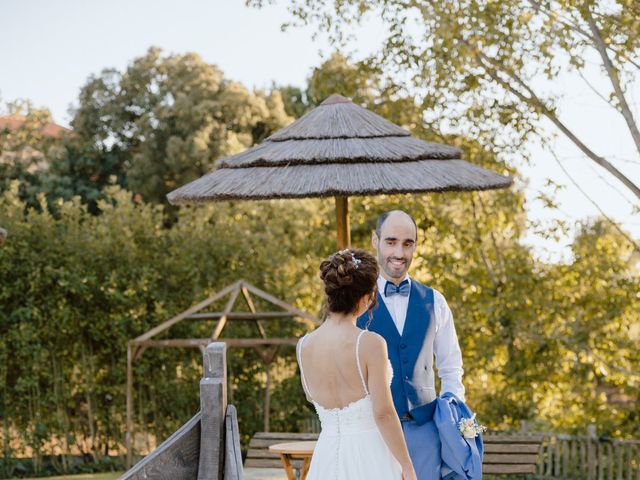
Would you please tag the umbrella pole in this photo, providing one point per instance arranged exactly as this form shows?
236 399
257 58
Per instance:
342 222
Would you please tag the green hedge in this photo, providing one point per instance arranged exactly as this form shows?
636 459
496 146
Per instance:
554 344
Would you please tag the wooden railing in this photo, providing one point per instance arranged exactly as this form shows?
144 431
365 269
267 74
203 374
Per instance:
574 457
589 458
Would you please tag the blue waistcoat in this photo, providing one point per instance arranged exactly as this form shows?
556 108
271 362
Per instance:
412 386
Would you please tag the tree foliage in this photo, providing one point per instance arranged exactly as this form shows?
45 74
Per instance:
554 344
478 64
160 124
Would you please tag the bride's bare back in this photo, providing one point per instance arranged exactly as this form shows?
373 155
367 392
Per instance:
330 367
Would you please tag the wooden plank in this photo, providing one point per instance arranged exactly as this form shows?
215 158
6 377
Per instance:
286 435
174 342
510 459
304 317
591 459
574 458
582 466
231 342
540 469
227 309
619 464
306 464
137 353
213 408
186 313
233 455
249 301
261 453
259 443
255 342
241 315
516 448
549 459
288 467
264 463
511 439
566 458
175 459
498 469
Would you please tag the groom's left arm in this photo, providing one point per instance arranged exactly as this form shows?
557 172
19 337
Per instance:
447 349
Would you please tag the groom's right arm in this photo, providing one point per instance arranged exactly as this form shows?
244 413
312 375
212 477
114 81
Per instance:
447 349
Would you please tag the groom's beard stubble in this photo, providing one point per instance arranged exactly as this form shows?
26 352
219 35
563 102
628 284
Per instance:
396 267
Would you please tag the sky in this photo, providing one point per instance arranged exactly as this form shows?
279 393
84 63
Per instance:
49 49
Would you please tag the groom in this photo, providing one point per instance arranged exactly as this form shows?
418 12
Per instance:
417 325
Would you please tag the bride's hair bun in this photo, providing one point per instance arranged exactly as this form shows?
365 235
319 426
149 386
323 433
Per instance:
348 275
338 270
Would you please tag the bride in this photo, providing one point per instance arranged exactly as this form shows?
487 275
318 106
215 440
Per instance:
346 374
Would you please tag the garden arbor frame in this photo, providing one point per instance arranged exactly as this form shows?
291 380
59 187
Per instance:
267 348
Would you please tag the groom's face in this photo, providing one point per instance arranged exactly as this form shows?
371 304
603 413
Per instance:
395 246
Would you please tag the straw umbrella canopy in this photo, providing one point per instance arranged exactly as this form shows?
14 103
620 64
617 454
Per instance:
338 149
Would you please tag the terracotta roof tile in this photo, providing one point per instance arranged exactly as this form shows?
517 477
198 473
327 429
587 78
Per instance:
14 122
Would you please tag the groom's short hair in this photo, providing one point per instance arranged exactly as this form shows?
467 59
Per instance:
381 219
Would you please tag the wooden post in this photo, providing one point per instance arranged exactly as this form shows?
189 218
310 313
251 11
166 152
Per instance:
197 449
129 434
213 407
233 456
592 442
268 355
227 309
267 400
342 222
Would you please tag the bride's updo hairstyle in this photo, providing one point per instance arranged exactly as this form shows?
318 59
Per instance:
349 275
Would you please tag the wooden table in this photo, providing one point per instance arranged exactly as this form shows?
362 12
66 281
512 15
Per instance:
288 451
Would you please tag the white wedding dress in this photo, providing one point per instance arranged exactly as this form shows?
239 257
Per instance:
350 446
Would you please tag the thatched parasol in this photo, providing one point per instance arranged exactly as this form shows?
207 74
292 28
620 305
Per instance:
338 149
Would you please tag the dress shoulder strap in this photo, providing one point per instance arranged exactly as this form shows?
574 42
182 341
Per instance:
299 352
364 384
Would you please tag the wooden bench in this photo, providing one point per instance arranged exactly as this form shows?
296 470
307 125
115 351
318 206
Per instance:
259 456
503 454
511 454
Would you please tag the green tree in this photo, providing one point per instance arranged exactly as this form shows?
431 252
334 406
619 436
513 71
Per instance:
160 124
362 84
25 148
550 343
476 63
294 99
76 287
509 307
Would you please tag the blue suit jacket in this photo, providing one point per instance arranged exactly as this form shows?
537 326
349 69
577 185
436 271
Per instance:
462 455
407 389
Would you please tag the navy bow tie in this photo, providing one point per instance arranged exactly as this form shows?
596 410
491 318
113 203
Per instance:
391 289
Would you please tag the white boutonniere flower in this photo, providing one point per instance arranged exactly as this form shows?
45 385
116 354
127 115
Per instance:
469 428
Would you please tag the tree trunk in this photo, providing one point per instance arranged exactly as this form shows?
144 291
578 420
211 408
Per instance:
61 412
87 370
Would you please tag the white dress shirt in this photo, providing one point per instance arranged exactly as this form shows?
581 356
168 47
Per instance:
446 347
